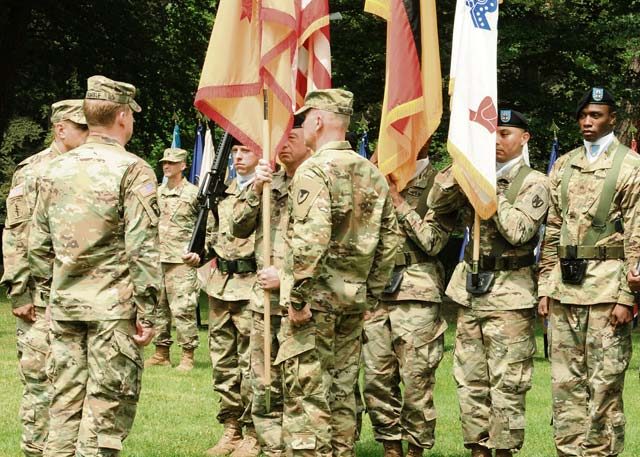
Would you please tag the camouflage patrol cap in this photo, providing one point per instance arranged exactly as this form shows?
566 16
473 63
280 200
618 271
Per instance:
103 88
68 110
338 101
174 155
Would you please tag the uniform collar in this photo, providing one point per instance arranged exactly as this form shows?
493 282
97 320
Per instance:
604 160
511 172
340 145
102 139
166 190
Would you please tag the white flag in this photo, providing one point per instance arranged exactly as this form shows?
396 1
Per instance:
208 154
473 90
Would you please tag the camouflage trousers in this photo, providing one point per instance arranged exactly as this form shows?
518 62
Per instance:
96 372
320 365
492 366
229 348
589 359
268 425
403 342
32 340
178 299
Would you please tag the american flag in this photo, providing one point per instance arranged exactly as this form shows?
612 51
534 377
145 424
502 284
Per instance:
314 49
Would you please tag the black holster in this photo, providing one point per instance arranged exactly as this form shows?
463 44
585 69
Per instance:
573 270
480 283
395 281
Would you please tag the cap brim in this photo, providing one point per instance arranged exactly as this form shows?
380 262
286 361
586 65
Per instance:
302 110
170 160
134 106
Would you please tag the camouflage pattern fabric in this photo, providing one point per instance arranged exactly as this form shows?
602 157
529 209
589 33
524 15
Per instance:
605 281
268 425
492 366
516 224
96 369
32 340
178 302
222 244
589 359
178 213
320 369
229 348
404 343
96 219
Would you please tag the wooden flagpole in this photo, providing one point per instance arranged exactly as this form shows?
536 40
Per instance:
266 250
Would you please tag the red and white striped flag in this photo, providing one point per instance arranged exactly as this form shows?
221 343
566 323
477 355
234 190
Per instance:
314 49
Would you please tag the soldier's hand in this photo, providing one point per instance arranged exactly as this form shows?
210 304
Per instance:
268 278
621 314
143 335
633 278
263 175
396 198
301 317
25 312
192 259
543 307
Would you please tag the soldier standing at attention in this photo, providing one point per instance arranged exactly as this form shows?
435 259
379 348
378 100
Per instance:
495 343
177 199
69 131
404 334
229 289
341 244
247 219
590 243
93 249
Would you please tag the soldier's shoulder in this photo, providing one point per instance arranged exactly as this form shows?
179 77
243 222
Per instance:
563 159
537 177
190 189
34 158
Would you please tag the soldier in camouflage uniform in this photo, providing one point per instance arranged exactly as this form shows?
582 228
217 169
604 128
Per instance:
591 242
495 344
247 218
229 288
177 199
341 242
404 334
93 249
69 132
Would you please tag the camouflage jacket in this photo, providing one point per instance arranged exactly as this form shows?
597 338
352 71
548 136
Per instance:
20 204
223 245
511 231
605 280
247 219
94 234
178 213
342 235
423 281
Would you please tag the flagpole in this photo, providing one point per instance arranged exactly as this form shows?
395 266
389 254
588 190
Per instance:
266 250
476 249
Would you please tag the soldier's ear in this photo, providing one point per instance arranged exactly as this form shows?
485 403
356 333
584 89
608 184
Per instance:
526 136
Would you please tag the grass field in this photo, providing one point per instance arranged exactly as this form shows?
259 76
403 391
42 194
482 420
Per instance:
176 415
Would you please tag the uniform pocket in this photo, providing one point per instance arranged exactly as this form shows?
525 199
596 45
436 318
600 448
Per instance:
616 349
429 343
519 359
123 371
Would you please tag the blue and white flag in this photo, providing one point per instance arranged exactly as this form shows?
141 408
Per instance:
198 148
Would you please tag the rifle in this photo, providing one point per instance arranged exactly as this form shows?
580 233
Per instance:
210 193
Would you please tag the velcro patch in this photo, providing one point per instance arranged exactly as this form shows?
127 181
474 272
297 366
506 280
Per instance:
16 191
147 189
304 196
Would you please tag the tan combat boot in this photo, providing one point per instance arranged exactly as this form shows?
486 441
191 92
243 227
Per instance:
160 358
229 441
480 451
392 448
414 451
186 363
504 453
249 446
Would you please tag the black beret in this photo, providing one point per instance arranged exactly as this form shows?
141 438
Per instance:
596 96
298 119
512 118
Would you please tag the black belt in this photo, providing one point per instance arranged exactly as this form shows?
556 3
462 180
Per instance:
493 263
573 252
237 266
404 259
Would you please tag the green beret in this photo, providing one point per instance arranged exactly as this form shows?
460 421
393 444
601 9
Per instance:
338 101
174 155
103 88
68 110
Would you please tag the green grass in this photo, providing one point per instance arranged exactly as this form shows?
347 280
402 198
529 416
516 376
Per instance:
176 415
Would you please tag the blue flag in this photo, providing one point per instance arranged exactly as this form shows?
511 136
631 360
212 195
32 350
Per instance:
198 150
231 171
175 141
363 147
553 156
465 241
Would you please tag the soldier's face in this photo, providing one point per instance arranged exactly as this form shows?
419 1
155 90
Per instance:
171 169
71 135
596 121
294 151
509 143
244 160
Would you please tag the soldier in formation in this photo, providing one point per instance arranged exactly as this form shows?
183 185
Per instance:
93 255
591 243
69 131
495 342
177 199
